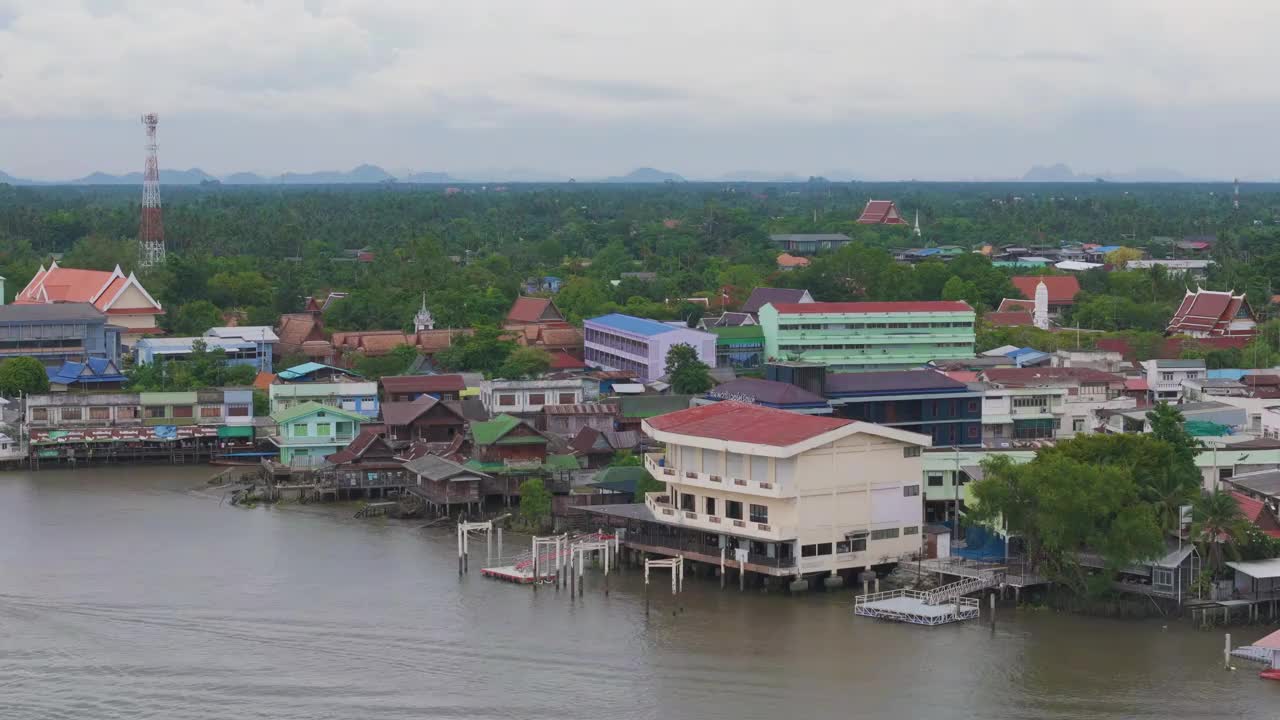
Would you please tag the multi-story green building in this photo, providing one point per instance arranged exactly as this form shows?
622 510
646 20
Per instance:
868 335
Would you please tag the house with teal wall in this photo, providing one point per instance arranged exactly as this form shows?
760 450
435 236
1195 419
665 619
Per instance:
856 336
308 432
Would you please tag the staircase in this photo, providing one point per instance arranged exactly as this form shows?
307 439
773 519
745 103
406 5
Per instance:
960 588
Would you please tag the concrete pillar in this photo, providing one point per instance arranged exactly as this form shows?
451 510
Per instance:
833 582
799 585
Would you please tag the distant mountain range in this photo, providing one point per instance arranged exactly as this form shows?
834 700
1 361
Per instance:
1063 173
364 174
372 174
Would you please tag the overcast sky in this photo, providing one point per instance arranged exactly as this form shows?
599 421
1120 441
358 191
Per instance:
927 89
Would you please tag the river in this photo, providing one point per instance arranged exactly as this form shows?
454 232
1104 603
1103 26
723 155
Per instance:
126 593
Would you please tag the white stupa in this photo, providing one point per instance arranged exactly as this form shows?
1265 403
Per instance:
423 320
1040 317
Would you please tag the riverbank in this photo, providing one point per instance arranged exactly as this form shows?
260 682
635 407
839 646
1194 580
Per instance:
127 594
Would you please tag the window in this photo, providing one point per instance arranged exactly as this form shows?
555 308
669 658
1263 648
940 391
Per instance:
973 406
99 413
183 411
935 479
506 400
736 465
153 411
857 541
1077 425
39 413
537 398
688 502
842 547
913 530
210 412
886 534
344 428
567 399
815 550
759 513
238 410
1033 401
911 451
733 509
1166 377
759 468
323 429
910 491
1162 577
973 432
127 412
71 413
784 470
711 506
301 430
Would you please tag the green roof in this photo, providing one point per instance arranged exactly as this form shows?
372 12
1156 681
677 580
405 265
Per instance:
562 462
493 432
619 479
288 415
741 332
647 406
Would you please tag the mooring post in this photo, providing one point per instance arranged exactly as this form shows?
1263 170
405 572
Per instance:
877 584
991 603
866 587
488 545
499 543
459 551
581 562
466 551
722 551
1226 652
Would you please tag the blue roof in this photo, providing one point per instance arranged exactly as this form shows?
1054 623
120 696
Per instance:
1226 374
1107 249
634 325
100 370
298 371
1020 351
927 251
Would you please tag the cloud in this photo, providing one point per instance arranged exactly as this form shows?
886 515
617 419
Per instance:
1002 67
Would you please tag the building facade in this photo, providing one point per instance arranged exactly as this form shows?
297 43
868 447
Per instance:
120 297
523 397
326 385
801 495
57 333
262 338
1017 414
863 336
947 411
640 346
237 352
1165 377
309 432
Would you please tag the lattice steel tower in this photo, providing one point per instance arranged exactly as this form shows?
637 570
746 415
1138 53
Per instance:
151 231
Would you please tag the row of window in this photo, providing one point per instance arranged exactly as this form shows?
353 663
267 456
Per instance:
509 399
321 429
883 348
874 326
732 508
856 542
635 347
601 357
131 412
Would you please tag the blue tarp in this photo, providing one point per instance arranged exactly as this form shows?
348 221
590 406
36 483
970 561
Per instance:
1226 374
980 544
165 432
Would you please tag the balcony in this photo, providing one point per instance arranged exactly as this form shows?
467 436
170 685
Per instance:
710 481
664 511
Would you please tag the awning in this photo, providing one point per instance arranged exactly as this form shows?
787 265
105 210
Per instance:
1260 569
235 431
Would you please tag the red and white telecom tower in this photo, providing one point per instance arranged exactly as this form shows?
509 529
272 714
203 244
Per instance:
151 231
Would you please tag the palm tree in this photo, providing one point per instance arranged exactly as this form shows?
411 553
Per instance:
1217 523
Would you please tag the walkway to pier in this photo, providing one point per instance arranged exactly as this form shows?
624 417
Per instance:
933 607
552 557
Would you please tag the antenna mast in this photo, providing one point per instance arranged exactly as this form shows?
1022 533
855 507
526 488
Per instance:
151 230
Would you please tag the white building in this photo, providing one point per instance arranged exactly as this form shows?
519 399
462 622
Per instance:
797 494
529 396
1165 377
1019 414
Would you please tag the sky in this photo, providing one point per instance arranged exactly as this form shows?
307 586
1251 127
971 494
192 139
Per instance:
910 89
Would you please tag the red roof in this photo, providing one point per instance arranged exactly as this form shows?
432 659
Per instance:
872 307
1015 305
789 260
1210 312
565 361
358 447
1172 347
533 309
739 422
1038 376
881 212
1009 319
1256 512
1062 288
423 383
1136 384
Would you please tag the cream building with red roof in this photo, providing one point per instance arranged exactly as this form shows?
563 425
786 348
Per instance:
120 297
799 495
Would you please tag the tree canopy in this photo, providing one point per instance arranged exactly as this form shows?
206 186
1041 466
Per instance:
22 375
687 374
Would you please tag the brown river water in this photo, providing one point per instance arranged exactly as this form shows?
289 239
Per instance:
124 593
